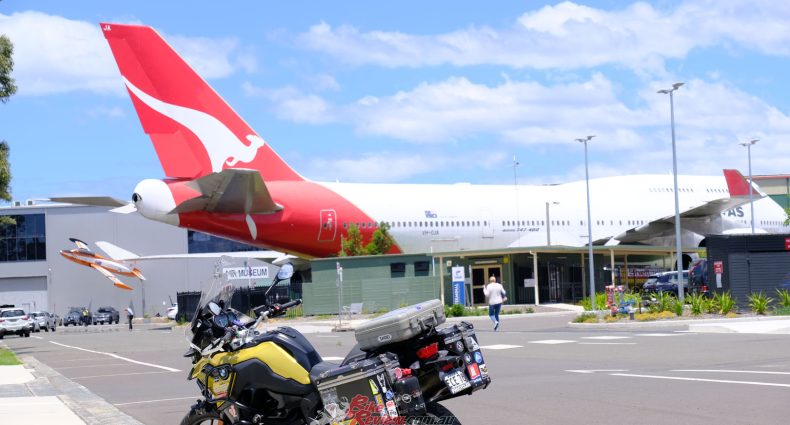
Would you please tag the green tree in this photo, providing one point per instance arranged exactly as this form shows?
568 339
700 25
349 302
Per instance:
7 86
380 242
7 89
351 246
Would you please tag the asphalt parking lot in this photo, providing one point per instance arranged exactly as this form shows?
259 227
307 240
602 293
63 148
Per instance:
543 373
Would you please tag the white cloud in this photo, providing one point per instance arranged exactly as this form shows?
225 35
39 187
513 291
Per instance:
53 54
293 105
570 36
105 111
711 117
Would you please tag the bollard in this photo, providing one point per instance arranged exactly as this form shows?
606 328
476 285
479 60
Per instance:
631 315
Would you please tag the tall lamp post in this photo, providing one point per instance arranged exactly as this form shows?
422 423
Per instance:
751 197
589 224
681 286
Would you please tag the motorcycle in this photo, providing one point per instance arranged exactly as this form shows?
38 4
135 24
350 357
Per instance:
400 370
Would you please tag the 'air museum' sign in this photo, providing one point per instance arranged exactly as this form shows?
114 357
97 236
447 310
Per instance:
259 272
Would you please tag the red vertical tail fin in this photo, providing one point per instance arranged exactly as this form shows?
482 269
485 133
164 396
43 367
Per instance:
737 184
193 130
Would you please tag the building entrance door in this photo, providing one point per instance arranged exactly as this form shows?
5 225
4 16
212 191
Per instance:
555 279
480 275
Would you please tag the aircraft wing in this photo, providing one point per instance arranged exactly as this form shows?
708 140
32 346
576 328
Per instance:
234 190
97 201
738 188
112 277
275 257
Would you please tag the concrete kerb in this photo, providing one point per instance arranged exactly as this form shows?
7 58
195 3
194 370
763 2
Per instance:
88 406
675 323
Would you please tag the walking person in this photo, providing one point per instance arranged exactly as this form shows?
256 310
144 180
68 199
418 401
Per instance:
130 316
495 293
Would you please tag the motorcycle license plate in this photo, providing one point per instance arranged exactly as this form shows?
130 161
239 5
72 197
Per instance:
457 381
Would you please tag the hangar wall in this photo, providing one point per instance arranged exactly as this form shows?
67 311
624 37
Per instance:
54 283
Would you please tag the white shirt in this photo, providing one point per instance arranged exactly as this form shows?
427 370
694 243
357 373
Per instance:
494 292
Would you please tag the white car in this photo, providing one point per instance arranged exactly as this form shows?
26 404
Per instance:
172 312
15 321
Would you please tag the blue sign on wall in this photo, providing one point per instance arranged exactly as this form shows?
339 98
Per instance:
459 295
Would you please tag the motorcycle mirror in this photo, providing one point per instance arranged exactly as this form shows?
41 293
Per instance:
214 308
286 271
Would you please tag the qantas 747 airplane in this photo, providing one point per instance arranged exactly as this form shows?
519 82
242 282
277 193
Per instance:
224 179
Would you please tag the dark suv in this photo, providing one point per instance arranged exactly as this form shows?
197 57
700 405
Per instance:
74 317
106 315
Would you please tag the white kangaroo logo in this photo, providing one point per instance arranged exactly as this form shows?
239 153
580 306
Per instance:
222 146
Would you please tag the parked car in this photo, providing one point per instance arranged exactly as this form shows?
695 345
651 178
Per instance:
45 320
74 317
665 282
15 321
106 315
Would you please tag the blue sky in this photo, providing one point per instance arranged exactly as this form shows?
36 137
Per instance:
413 92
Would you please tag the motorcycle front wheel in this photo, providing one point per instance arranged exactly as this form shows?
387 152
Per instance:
437 414
200 414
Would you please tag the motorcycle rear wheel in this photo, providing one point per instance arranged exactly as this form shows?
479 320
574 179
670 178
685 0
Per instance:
200 415
437 414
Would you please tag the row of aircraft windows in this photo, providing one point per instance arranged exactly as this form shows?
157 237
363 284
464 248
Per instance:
771 223
393 224
669 189
688 190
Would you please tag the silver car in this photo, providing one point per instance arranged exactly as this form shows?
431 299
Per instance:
15 321
45 320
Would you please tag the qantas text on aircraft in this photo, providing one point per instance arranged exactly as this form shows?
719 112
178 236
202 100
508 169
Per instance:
224 179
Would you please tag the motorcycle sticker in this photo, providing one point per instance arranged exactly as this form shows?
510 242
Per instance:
382 381
471 343
483 369
389 395
474 371
467 358
373 387
478 357
457 381
391 409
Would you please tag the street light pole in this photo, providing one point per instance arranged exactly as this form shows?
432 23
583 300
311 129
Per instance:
589 224
681 287
751 197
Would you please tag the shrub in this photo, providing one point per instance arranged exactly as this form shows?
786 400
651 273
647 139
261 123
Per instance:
676 307
782 311
457 310
759 302
723 303
610 319
697 304
784 297
586 318
600 302
645 317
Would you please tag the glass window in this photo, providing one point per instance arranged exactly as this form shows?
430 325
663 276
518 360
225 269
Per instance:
24 240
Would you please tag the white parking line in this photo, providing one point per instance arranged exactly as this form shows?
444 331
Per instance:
156 401
552 341
720 381
115 374
607 343
169 369
760 372
606 337
89 365
500 346
658 334
36 337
